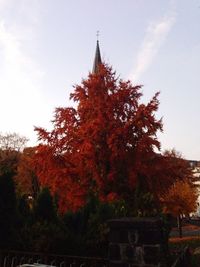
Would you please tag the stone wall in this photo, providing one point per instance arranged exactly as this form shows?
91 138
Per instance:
136 242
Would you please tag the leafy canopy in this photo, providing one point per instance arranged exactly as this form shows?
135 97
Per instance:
102 145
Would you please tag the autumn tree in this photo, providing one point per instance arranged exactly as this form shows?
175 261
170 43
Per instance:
26 178
12 142
15 157
181 197
11 146
177 167
105 145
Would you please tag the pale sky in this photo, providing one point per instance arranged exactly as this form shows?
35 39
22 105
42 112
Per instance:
47 46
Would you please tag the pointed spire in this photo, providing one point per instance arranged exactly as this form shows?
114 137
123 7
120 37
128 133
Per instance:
97 59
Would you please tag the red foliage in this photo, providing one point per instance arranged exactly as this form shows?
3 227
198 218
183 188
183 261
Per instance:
26 179
101 146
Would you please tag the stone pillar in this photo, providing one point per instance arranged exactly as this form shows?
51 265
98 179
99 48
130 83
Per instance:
136 242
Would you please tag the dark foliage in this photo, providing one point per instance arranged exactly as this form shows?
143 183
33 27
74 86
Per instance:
7 210
44 208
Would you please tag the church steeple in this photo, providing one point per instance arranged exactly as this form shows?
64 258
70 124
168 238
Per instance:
97 59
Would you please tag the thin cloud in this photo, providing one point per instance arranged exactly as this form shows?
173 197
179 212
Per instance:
21 101
4 3
155 36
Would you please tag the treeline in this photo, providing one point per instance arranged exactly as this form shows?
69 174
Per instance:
101 160
29 216
35 225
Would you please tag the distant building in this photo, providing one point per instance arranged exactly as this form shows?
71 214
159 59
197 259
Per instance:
195 165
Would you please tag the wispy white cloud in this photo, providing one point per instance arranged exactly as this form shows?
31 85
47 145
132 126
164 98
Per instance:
4 3
156 34
20 79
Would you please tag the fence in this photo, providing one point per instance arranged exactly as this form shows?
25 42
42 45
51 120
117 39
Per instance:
15 258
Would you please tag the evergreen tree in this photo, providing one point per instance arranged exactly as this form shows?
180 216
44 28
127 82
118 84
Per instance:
7 210
44 208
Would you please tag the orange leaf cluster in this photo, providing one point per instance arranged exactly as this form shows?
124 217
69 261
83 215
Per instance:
101 146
